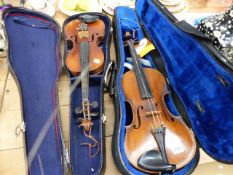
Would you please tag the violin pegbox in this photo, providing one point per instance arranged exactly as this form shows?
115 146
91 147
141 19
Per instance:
129 36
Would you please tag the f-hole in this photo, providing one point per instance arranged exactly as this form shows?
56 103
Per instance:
69 44
137 123
129 113
100 41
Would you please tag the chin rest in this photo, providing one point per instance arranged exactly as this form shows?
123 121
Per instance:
153 161
89 18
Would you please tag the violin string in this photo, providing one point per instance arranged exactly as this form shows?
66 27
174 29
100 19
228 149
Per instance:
150 102
151 106
152 128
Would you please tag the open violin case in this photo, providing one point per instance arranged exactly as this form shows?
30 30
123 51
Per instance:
80 161
35 63
199 79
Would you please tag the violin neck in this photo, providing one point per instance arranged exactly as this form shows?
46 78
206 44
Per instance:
84 51
143 85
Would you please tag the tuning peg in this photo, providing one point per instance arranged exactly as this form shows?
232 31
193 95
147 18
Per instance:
78 110
94 104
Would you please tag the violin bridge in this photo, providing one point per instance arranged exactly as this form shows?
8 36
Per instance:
83 34
151 113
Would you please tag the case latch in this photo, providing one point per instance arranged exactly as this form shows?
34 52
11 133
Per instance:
67 156
20 128
104 118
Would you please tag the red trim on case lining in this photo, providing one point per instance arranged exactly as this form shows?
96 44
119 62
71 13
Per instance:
41 19
58 69
55 100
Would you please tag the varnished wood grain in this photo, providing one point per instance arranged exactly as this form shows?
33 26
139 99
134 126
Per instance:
139 140
96 33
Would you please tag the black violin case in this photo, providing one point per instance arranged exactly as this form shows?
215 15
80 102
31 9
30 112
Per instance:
35 63
199 78
80 162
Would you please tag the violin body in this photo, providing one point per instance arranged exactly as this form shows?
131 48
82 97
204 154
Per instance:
180 144
96 32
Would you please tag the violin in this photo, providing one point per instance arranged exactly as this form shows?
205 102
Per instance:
85 56
155 140
93 37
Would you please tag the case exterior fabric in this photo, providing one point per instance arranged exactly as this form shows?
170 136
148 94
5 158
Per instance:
35 64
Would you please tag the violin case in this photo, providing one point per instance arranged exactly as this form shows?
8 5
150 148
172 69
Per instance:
35 63
80 162
199 79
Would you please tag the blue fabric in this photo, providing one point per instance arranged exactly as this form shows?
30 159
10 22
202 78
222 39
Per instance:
196 77
34 58
81 164
80 161
126 20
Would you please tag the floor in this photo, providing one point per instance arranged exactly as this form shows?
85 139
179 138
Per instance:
11 146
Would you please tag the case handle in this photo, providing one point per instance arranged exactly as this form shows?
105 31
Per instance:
112 85
108 75
26 23
109 78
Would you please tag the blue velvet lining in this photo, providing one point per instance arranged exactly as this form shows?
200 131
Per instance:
130 15
34 58
81 164
204 86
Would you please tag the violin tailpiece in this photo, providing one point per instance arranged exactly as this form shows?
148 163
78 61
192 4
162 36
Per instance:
159 135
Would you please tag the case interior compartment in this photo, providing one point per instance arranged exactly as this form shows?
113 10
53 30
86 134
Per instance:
79 159
126 20
35 64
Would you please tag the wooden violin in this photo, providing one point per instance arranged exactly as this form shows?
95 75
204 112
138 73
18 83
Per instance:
85 55
155 140
93 36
